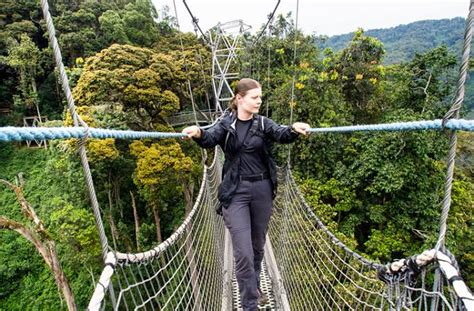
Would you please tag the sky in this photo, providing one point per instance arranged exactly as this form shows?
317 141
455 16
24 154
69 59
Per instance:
322 17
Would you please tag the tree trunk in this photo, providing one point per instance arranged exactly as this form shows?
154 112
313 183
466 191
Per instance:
60 278
35 92
47 250
156 216
41 240
113 227
137 221
188 189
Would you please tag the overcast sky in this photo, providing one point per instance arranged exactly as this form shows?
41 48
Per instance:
324 17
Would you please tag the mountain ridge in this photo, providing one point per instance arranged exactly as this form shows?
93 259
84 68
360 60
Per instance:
403 41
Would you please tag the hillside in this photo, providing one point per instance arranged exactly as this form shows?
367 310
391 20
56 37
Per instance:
403 41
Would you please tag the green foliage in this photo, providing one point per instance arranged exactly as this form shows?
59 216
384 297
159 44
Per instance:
55 189
24 57
162 171
385 242
460 234
379 191
359 70
75 228
113 27
37 288
83 28
142 82
404 42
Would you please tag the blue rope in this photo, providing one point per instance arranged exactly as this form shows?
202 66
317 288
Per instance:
48 133
452 124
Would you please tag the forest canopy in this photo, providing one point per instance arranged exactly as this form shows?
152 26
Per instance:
130 67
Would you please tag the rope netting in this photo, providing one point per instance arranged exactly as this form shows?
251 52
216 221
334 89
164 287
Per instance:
182 273
309 267
318 272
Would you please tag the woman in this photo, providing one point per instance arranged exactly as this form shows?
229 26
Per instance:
249 180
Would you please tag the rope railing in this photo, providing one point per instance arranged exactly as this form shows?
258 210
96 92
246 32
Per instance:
453 124
50 133
11 133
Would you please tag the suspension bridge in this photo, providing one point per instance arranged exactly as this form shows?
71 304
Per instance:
306 267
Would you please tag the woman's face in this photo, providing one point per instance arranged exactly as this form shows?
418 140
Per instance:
250 103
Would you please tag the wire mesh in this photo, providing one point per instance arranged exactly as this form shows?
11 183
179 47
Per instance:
182 273
320 273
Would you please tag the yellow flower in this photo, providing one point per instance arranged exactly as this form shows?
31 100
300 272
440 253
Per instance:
323 75
79 61
280 51
373 80
359 76
299 86
85 112
304 65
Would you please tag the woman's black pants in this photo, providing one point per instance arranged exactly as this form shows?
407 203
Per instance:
247 219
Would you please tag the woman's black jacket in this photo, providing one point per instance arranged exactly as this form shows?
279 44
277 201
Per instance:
223 133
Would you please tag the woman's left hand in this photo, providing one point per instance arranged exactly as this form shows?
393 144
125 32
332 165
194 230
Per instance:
301 128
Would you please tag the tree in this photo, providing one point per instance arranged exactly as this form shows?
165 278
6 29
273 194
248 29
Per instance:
194 60
137 80
113 28
360 72
40 238
24 56
162 169
424 84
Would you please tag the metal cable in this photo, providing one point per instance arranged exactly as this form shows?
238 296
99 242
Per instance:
182 272
454 113
320 272
293 78
270 18
188 82
82 150
196 23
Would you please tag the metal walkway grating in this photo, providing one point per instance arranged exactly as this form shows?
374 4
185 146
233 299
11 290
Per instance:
265 285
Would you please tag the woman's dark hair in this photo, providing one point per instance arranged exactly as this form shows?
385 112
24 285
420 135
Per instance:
242 87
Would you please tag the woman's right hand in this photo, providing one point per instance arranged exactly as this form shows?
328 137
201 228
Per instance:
192 131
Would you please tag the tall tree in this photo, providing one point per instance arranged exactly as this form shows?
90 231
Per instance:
40 238
162 168
359 68
140 81
24 56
